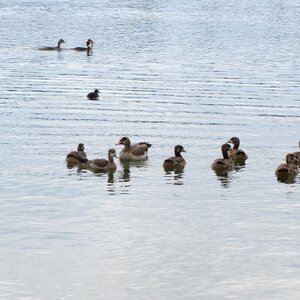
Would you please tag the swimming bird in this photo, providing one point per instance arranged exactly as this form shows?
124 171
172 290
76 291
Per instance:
77 157
225 163
177 161
236 153
297 156
288 169
58 47
135 152
89 46
93 95
102 164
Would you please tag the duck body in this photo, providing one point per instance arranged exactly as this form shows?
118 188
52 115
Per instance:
77 157
237 154
93 95
57 48
134 152
104 165
225 163
289 168
177 161
88 48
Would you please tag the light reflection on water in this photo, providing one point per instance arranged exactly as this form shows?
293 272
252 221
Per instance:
182 72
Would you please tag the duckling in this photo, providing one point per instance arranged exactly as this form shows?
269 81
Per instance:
102 164
130 151
93 95
89 46
177 161
225 163
288 169
58 47
77 157
236 153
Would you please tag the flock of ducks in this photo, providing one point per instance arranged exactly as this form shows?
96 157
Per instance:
89 47
231 156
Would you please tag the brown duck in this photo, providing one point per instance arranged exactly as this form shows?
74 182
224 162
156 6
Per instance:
225 163
77 157
102 164
177 161
288 169
135 152
236 153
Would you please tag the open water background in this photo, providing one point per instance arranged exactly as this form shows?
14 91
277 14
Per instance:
170 72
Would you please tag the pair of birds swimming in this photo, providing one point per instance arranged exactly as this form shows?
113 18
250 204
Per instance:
231 156
89 46
130 152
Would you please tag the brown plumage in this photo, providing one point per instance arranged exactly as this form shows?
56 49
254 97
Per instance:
288 169
297 156
236 153
177 161
130 151
77 157
58 47
102 164
225 163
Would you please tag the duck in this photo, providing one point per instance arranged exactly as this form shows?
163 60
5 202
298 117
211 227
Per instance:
104 165
93 95
225 163
89 46
77 157
287 169
177 161
58 47
236 153
136 152
297 156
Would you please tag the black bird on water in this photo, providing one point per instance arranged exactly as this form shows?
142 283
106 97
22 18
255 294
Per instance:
93 95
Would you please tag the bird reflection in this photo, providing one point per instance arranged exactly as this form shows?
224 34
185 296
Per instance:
226 177
176 176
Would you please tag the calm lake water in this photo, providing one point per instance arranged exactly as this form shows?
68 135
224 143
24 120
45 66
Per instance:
184 72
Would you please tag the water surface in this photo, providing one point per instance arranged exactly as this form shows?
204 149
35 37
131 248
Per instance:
194 73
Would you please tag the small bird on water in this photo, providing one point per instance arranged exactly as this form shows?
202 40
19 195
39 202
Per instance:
93 95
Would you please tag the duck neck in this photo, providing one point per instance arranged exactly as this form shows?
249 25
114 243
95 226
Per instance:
111 159
236 145
225 154
178 154
127 147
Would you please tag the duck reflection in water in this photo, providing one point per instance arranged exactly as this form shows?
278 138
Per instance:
175 177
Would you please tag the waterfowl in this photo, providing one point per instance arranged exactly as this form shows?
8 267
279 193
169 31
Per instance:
89 46
236 153
102 164
225 163
177 161
130 151
288 169
93 95
77 157
297 156
58 47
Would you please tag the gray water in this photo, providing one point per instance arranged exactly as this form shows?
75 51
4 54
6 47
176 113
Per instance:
191 72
